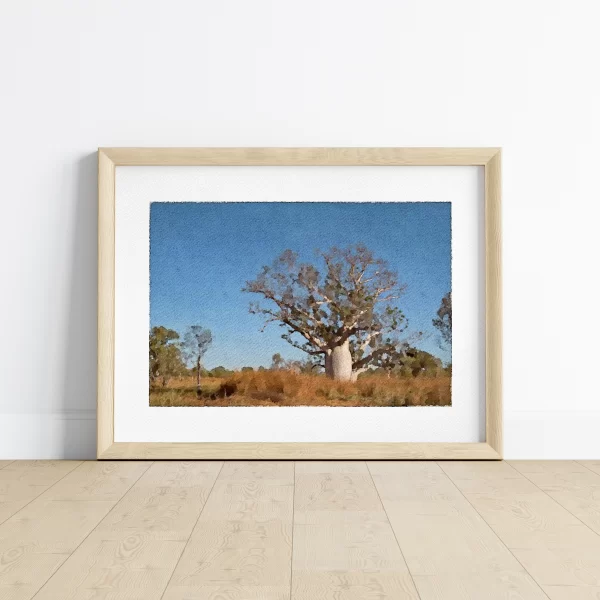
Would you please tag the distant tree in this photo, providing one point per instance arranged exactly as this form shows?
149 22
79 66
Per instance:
295 366
261 368
392 358
343 311
247 369
165 355
310 365
277 362
195 344
307 365
221 371
420 362
443 321
407 361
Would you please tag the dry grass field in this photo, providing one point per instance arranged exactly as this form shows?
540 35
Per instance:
286 388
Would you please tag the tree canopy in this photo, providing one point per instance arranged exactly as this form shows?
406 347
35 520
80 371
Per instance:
196 341
443 321
165 354
346 303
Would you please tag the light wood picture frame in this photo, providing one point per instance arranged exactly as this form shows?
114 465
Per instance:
110 158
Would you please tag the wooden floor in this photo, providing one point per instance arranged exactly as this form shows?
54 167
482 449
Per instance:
303 531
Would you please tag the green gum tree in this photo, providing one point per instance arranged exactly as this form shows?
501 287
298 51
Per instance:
196 342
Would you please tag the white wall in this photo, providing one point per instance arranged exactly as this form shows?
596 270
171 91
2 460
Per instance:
522 74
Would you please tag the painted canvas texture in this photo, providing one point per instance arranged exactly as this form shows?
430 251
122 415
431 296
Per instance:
281 304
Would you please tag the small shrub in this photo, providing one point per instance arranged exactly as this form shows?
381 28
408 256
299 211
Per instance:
228 388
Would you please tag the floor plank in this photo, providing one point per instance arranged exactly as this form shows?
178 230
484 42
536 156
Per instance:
553 545
165 502
567 592
548 466
592 465
307 467
132 553
23 481
449 549
502 585
129 567
240 547
344 545
108 480
322 530
577 491
40 537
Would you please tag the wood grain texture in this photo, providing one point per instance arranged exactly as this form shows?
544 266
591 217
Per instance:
358 467
299 156
344 546
106 302
553 545
131 567
549 466
23 481
179 532
592 465
40 537
133 551
241 544
568 592
577 489
299 451
109 158
511 585
164 504
449 549
493 303
97 481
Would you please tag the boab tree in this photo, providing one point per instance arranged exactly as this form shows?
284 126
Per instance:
195 344
344 316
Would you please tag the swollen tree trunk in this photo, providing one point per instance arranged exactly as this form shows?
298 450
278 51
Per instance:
338 363
328 369
198 378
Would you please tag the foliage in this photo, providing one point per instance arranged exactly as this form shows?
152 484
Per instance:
277 362
349 297
419 363
286 388
443 321
165 355
220 371
168 357
309 365
195 344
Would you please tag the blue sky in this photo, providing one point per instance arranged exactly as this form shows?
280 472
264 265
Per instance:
201 255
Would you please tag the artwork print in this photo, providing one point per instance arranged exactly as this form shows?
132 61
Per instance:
280 304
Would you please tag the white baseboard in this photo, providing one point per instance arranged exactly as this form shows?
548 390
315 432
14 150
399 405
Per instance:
66 434
552 435
528 435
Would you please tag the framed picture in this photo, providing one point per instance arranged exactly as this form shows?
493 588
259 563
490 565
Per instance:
299 303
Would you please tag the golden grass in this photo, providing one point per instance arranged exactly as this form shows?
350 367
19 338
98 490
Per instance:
285 388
